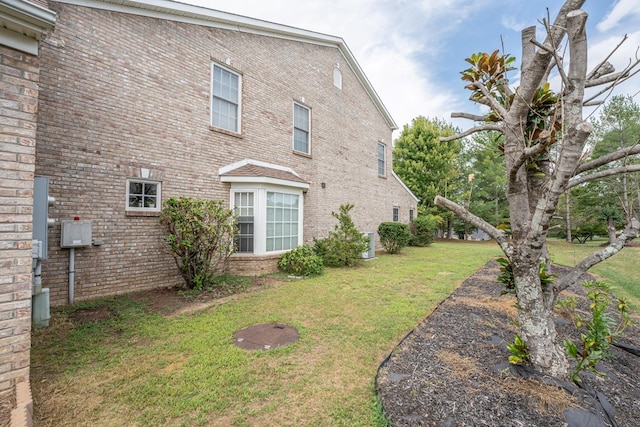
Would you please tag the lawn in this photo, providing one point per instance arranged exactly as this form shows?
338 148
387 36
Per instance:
139 367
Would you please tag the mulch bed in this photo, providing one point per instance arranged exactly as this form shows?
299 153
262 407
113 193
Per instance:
452 371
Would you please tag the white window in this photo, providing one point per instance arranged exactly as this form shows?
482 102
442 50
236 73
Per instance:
396 214
244 210
143 195
225 99
282 221
301 131
269 217
381 159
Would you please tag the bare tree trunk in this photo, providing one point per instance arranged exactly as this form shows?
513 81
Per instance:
535 314
568 216
611 228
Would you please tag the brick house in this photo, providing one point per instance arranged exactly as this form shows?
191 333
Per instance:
145 100
22 25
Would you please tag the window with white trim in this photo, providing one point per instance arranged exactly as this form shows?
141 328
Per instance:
244 210
143 195
381 159
225 98
275 216
396 214
301 129
282 221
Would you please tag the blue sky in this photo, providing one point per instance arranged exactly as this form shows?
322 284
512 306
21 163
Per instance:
413 51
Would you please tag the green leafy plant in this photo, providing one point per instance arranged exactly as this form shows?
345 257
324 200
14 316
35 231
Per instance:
506 276
519 351
345 244
301 261
423 230
199 236
394 236
595 341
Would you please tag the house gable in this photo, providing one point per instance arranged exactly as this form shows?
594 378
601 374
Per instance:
190 14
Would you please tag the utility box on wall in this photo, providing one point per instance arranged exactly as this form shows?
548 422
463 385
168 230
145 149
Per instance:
75 234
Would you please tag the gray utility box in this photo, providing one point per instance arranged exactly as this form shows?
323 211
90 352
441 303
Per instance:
371 253
75 234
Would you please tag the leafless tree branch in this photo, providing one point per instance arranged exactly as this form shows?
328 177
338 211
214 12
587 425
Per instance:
608 158
474 117
596 70
630 233
602 174
499 235
471 131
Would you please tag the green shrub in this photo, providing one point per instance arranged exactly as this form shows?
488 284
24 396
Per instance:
600 330
199 235
394 236
302 261
344 246
423 229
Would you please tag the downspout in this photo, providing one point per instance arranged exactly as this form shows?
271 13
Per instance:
72 272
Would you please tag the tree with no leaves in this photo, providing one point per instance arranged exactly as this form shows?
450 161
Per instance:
545 136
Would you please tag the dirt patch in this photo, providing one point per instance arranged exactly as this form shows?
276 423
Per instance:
450 371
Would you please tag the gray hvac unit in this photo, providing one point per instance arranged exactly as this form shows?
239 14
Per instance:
371 253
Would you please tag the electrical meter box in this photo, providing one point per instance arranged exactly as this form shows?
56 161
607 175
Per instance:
75 234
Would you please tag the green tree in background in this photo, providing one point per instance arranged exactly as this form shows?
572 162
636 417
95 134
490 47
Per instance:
428 166
487 180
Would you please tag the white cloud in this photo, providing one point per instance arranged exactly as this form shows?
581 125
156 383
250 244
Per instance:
622 10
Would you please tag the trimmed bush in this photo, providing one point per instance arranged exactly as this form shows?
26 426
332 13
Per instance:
199 235
394 236
423 230
344 246
301 261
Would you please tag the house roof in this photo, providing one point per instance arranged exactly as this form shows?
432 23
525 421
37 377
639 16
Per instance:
22 23
253 171
181 12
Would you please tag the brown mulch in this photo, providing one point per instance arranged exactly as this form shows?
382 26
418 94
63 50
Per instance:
452 369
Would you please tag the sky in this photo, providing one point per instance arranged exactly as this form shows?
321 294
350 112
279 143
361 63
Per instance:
412 51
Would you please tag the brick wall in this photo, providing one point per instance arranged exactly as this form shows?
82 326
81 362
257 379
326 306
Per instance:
122 92
19 74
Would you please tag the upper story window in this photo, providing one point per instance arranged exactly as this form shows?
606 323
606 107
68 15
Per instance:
381 159
143 195
301 129
225 98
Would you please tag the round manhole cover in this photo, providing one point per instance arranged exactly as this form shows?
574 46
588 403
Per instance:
265 336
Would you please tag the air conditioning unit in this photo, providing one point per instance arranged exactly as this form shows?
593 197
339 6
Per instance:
371 253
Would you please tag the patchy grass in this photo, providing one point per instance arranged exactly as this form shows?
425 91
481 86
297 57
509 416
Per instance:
135 366
139 367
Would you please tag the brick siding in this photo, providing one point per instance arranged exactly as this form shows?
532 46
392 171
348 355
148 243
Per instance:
19 75
121 92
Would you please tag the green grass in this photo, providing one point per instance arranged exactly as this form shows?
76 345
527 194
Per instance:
620 271
140 368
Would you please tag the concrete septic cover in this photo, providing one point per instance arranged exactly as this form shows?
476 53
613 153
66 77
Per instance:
265 336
